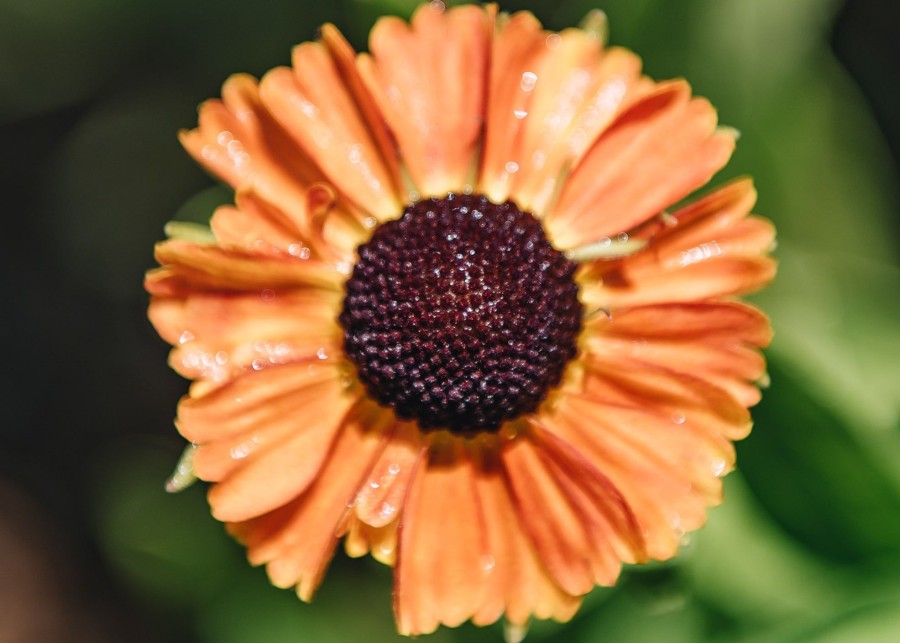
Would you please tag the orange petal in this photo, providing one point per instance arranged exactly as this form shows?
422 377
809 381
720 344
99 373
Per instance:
550 96
256 399
239 141
259 226
668 472
517 48
630 382
441 563
298 540
517 585
220 335
709 249
655 153
263 456
345 61
716 341
578 522
428 80
316 109
382 495
188 267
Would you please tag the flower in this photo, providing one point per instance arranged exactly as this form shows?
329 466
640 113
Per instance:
450 320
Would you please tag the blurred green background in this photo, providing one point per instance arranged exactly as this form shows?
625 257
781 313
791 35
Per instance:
806 546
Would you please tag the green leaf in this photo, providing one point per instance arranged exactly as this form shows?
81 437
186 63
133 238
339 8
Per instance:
815 475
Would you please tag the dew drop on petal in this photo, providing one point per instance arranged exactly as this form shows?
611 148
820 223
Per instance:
529 80
678 417
488 563
387 510
224 138
321 354
718 467
258 364
553 41
520 113
244 449
393 468
512 167
186 336
267 294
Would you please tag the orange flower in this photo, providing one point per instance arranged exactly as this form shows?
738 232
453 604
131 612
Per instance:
450 320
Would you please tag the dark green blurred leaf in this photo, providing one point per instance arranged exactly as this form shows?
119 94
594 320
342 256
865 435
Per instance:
816 477
165 546
746 566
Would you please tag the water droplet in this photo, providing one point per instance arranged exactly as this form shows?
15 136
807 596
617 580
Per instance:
488 563
529 80
718 467
553 41
622 237
387 509
393 468
374 484
356 153
224 138
370 222
186 336
512 167
678 417
244 449
267 295
208 152
520 113
258 364
321 354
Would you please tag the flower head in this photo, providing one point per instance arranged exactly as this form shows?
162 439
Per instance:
450 320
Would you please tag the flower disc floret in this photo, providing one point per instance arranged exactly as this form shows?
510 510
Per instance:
460 314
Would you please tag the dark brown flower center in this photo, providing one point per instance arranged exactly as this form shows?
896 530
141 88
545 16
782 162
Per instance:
460 314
